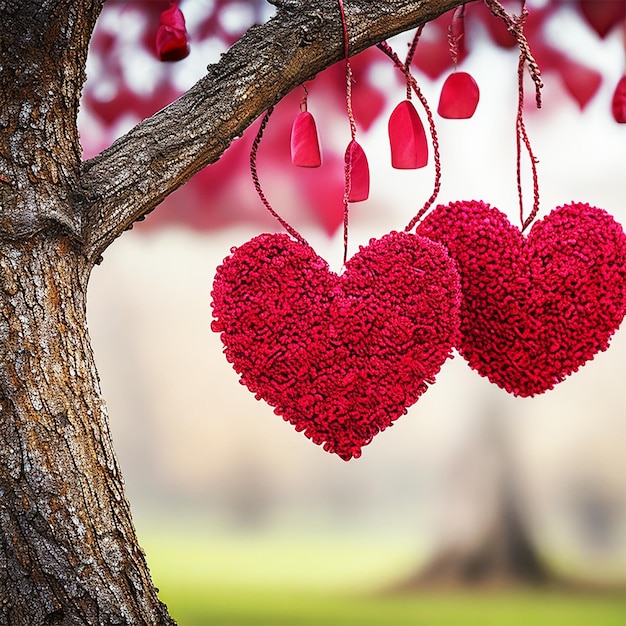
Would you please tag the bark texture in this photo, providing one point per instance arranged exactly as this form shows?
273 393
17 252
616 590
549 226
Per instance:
68 549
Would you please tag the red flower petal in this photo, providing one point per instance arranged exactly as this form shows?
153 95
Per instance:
359 173
459 96
603 15
581 81
368 103
305 147
618 104
407 138
171 37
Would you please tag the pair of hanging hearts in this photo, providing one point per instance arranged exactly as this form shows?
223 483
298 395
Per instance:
342 356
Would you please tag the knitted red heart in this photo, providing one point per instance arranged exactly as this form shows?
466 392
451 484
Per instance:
339 356
534 308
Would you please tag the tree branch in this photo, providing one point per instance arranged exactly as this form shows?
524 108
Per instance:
139 170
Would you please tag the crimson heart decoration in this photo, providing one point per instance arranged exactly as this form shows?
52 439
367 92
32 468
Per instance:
339 356
537 307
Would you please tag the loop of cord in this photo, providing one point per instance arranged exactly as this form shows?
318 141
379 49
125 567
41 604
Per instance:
522 138
515 25
403 67
257 184
409 59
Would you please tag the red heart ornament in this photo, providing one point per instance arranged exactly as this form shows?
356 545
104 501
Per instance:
339 356
537 307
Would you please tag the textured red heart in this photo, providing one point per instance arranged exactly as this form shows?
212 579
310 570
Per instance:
339 356
534 308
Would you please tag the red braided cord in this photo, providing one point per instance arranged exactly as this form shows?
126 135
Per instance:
351 120
257 185
515 25
522 137
409 58
386 48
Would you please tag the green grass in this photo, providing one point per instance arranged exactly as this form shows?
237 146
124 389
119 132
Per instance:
200 607
209 578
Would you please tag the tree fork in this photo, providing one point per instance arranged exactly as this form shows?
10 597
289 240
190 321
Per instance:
69 554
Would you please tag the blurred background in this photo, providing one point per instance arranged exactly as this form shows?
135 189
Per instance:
476 507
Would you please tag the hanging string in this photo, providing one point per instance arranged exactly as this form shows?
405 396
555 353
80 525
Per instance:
409 59
304 102
351 120
386 48
522 137
257 185
515 25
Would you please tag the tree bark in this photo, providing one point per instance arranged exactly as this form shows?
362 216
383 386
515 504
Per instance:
68 550
131 177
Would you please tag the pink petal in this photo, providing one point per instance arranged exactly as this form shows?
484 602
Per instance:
581 81
305 147
359 173
618 104
459 96
368 103
407 139
171 37
603 15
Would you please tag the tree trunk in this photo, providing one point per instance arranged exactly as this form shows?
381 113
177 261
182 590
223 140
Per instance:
484 541
68 550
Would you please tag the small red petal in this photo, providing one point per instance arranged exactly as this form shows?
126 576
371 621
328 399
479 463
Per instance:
359 173
618 104
459 96
171 37
581 81
407 138
305 147
603 15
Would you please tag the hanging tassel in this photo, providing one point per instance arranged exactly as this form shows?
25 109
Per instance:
459 96
407 138
356 165
618 104
305 146
171 37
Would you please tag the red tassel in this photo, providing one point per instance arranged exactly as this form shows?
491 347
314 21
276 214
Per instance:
305 147
171 37
359 173
459 96
618 104
407 138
